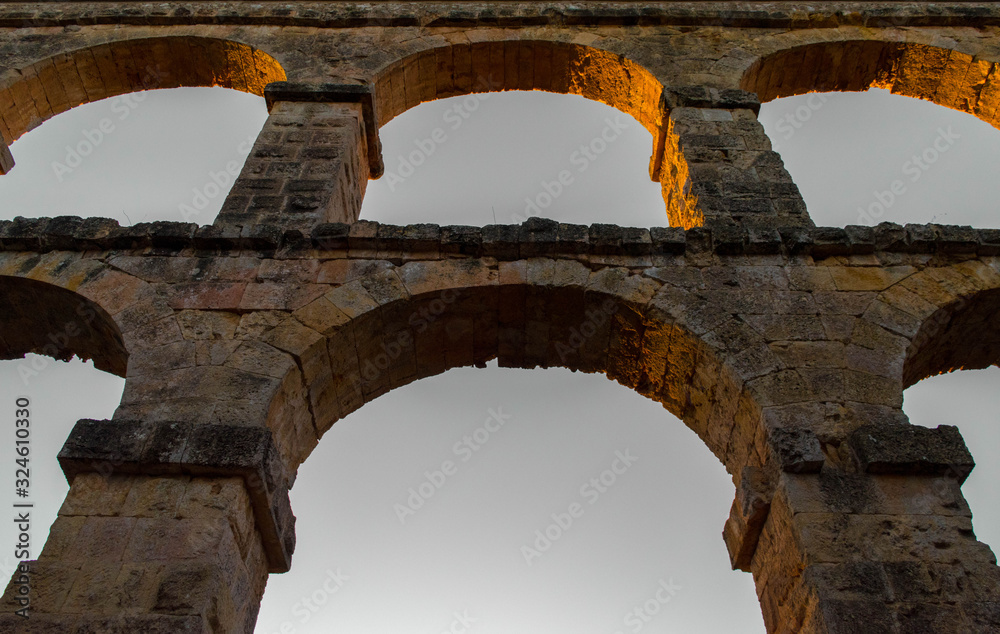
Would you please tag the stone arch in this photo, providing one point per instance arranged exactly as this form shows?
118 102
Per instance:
42 318
35 93
466 68
115 315
395 326
928 322
947 77
701 136
492 66
959 330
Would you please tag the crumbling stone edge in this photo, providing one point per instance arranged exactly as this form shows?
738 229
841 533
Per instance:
912 450
537 237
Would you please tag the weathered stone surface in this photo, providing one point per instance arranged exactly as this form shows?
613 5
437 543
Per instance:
747 517
913 450
784 346
797 450
132 447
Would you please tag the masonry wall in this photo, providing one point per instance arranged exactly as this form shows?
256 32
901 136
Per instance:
785 347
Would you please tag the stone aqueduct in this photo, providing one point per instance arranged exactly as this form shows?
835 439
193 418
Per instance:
784 346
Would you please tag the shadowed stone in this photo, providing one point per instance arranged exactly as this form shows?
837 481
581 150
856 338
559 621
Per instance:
797 450
912 450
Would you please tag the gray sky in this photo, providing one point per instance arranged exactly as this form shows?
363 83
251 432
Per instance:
657 529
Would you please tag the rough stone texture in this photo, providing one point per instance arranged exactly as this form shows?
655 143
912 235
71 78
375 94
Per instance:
911 449
310 164
164 448
784 346
154 553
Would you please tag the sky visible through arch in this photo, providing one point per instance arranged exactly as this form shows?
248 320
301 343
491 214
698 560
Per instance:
361 566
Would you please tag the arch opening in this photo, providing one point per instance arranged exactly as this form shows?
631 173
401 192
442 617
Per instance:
41 318
927 159
947 77
505 157
556 67
163 155
41 323
455 314
952 365
36 93
872 157
464 542
961 335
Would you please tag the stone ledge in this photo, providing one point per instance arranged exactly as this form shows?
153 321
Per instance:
175 448
501 14
712 98
535 237
912 450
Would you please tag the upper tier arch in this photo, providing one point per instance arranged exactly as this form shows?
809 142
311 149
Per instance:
39 91
465 68
947 77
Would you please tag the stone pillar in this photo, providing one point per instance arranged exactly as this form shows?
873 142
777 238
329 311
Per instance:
167 528
878 539
715 164
312 159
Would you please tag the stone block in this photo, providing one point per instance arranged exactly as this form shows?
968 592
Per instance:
167 448
796 450
747 516
912 450
667 240
501 241
331 236
461 240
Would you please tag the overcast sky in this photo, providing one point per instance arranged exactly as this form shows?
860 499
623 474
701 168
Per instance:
651 541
